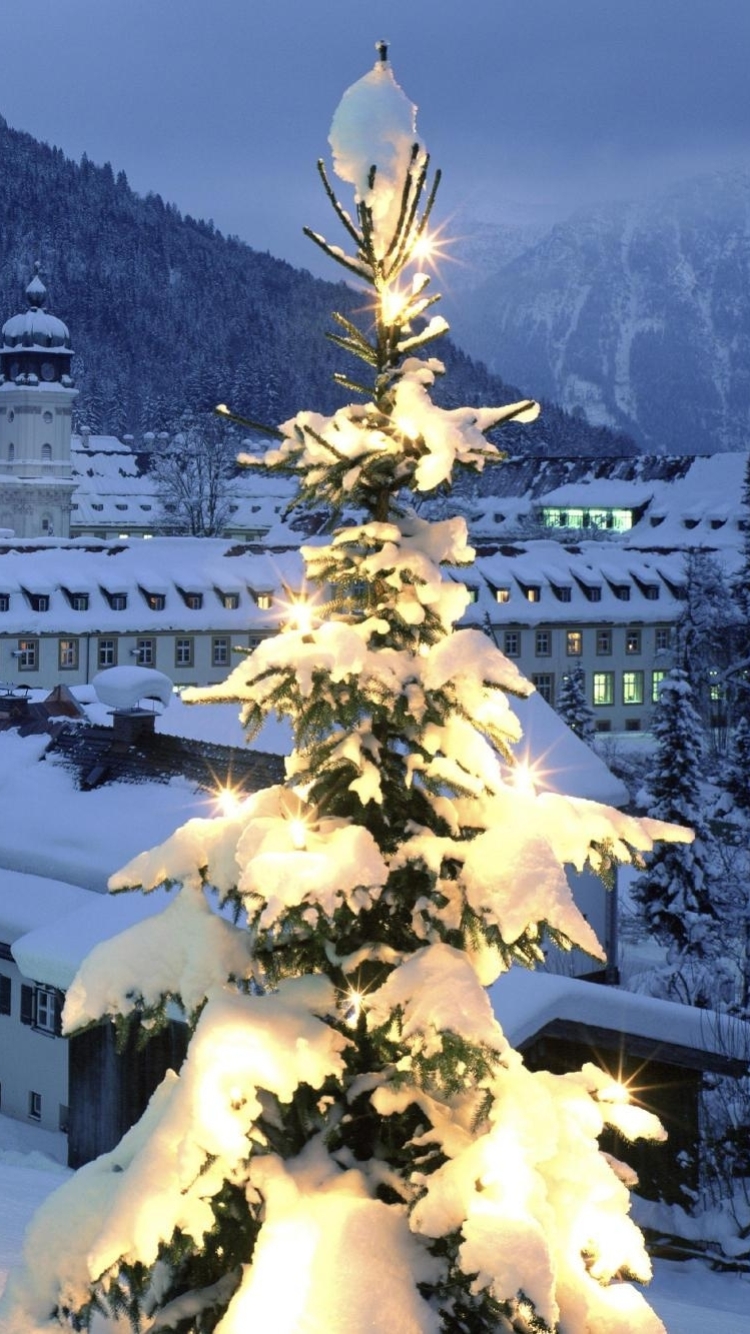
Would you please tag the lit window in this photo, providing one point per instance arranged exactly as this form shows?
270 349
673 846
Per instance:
574 643
533 593
632 687
28 655
604 688
604 643
632 641
545 684
502 595
220 651
512 643
68 654
264 601
543 643
156 601
656 679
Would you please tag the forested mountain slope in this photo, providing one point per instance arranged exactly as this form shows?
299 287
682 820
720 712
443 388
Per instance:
166 313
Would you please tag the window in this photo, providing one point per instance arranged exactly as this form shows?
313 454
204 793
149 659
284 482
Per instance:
11 452
656 679
45 1010
117 601
38 601
533 593
663 638
229 601
28 655
106 653
193 600
632 641
67 659
545 684
156 601
574 643
264 601
41 1009
4 601
604 643
46 453
593 593
35 1106
543 643
621 591
5 993
651 592
502 595
512 643
79 601
604 688
145 652
220 651
183 652
472 593
632 687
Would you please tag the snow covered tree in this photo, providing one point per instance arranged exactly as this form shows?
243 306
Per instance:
193 474
708 644
675 889
573 707
351 1146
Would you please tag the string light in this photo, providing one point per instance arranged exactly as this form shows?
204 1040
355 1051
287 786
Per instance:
355 1000
300 614
392 304
228 800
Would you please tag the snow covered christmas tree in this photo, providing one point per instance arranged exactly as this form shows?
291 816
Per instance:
573 707
351 1145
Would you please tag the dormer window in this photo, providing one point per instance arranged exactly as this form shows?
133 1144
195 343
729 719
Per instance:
264 601
38 601
117 601
229 601
621 591
155 601
78 601
193 600
533 593
4 601
473 593
502 595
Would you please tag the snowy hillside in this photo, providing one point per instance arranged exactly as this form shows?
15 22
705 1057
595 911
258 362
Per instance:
636 314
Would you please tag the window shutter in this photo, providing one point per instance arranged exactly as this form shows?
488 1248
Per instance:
27 1004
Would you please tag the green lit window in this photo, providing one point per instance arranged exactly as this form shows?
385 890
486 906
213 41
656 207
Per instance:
604 688
656 679
632 687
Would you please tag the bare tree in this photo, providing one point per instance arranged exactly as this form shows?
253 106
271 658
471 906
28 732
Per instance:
193 471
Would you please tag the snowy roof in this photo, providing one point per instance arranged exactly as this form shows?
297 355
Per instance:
559 761
526 1003
36 328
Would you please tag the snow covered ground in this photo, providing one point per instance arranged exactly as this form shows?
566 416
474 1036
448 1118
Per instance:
690 1298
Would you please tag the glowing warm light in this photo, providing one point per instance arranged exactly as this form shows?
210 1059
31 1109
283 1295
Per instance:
425 248
298 833
300 615
614 1092
228 800
392 305
236 1098
223 409
355 1001
524 778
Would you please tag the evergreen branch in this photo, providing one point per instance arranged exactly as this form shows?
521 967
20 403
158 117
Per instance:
352 265
404 209
338 208
356 349
355 333
221 410
346 383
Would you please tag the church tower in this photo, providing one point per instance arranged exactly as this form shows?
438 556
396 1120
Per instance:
36 418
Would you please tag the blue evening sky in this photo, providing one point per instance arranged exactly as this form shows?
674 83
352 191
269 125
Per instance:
530 106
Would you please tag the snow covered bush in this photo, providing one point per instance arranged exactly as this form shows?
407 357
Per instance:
351 1145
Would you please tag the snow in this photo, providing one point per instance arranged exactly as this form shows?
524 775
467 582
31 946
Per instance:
375 126
125 687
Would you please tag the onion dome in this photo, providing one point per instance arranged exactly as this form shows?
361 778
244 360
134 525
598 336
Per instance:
36 328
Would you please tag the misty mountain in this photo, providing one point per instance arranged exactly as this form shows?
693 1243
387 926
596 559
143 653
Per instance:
165 313
636 314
